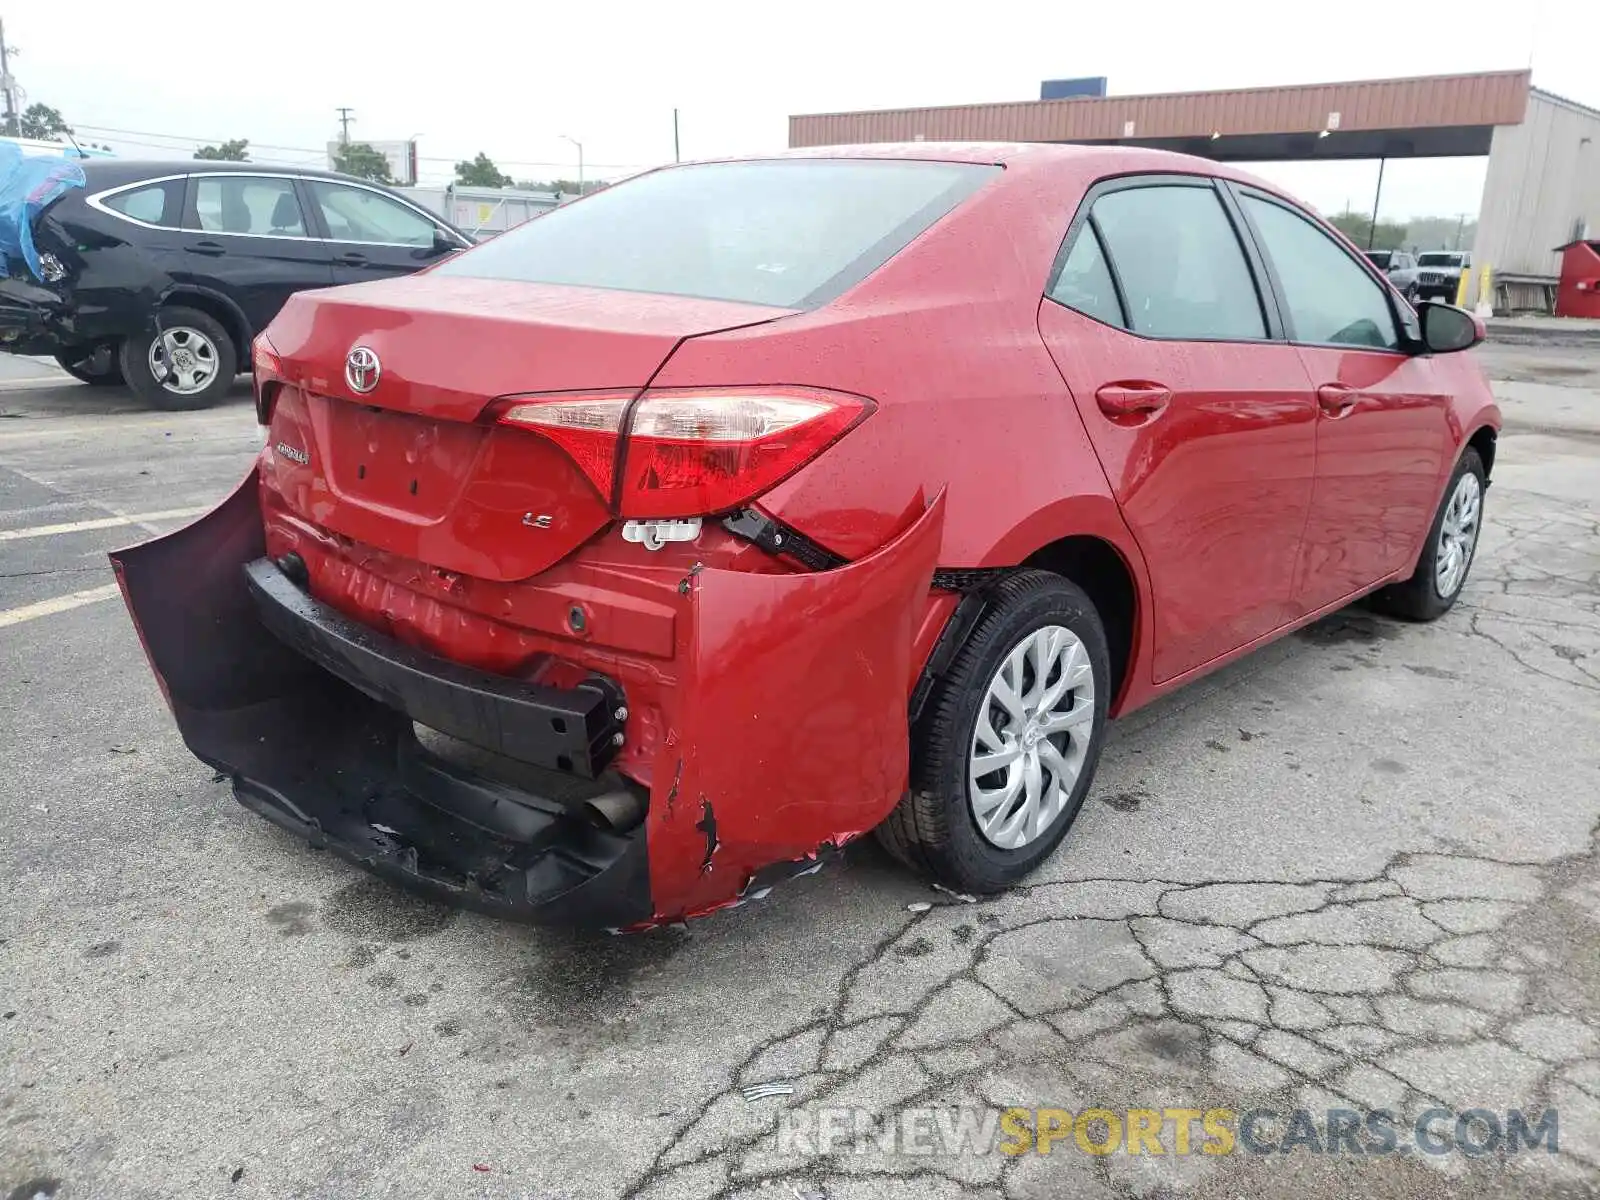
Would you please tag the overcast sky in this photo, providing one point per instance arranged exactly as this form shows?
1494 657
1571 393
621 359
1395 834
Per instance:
511 78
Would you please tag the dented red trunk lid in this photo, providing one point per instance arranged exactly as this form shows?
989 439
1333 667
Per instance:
411 466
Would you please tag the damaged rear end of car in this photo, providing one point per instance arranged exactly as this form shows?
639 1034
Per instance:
35 313
495 618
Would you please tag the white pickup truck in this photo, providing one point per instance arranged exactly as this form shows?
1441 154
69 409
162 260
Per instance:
1439 272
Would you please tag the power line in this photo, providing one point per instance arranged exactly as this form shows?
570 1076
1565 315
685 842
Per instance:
132 134
292 158
135 134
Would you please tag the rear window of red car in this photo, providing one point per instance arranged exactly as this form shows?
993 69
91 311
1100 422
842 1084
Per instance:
787 233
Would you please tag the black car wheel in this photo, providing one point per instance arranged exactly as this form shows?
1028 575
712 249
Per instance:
1009 739
1452 541
187 361
95 365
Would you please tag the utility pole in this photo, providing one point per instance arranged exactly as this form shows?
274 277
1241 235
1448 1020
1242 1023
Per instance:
579 145
1372 230
344 125
1460 221
675 155
11 125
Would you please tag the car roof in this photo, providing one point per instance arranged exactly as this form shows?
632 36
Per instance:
1087 160
111 172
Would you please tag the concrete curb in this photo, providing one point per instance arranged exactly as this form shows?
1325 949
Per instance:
1509 331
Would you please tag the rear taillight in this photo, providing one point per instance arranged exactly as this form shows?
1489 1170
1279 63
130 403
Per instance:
690 452
584 424
267 369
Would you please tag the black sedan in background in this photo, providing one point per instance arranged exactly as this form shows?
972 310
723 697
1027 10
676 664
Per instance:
159 274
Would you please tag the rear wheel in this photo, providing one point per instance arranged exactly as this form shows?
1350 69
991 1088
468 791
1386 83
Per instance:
1452 540
95 365
1009 741
189 361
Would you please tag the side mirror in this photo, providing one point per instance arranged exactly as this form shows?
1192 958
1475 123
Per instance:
443 244
1446 328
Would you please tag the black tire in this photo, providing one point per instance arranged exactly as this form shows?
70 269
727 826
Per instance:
135 360
95 365
1419 598
1411 295
932 829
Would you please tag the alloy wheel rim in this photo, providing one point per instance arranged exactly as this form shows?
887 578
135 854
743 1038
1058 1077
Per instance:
1032 738
183 360
1458 535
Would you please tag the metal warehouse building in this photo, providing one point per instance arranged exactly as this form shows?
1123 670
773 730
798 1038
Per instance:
1542 191
1542 188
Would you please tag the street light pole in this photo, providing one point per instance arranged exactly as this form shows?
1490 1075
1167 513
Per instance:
411 158
579 145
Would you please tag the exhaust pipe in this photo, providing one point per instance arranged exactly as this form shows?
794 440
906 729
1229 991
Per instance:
615 812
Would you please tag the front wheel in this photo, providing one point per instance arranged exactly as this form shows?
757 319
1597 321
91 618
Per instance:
1442 570
1009 740
95 365
187 360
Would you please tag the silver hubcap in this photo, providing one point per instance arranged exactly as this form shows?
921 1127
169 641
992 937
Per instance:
1458 535
1032 737
183 360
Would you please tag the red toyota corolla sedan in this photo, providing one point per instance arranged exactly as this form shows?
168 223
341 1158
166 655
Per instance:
615 568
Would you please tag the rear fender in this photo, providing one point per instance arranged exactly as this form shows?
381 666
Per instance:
791 735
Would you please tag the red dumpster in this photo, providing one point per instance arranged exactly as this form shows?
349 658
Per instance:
1579 292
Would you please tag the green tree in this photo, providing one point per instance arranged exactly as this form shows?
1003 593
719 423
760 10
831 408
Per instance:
39 121
481 172
1355 226
1441 233
237 150
362 161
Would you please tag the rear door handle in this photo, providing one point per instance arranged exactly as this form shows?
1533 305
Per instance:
353 258
1336 399
1131 399
208 248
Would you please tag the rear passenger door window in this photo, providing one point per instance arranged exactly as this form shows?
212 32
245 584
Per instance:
1084 282
153 204
259 205
1180 263
1331 299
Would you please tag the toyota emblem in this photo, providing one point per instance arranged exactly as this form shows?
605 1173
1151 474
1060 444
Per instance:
362 369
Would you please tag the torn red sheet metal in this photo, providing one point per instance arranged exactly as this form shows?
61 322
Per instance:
790 718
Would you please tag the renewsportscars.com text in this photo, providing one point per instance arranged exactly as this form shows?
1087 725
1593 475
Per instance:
1180 1131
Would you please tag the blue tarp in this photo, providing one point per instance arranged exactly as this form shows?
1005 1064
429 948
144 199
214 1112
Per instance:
27 184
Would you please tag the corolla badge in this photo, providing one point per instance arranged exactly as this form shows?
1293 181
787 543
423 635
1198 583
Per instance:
362 369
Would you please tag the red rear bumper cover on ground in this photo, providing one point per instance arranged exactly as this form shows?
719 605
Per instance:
782 732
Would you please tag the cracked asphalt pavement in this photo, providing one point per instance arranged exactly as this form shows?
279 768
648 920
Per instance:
1356 870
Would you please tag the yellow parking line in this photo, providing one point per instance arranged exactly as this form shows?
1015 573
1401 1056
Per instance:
45 608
